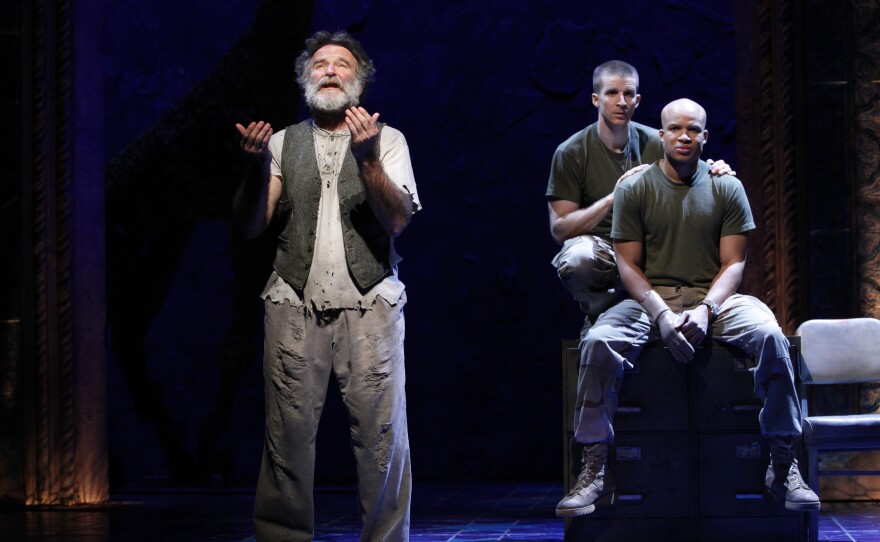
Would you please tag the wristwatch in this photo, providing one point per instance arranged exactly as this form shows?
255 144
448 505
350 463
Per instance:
713 307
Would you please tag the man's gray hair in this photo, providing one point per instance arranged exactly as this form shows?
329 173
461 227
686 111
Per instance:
364 71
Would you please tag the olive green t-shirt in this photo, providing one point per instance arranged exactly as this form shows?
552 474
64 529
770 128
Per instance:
584 170
680 225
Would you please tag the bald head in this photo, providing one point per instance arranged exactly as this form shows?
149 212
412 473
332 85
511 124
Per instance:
683 132
683 107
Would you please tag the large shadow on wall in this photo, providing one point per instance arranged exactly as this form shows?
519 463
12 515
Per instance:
486 313
161 190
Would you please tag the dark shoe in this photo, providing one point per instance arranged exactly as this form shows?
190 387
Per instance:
784 481
591 487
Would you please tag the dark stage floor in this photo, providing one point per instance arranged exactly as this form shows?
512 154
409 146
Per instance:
441 512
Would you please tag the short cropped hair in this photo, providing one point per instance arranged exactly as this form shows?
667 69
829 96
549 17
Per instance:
365 71
614 67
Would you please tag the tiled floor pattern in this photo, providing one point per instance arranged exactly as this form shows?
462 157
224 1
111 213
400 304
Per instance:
857 522
469 512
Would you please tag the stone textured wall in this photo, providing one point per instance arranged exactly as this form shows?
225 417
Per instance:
484 92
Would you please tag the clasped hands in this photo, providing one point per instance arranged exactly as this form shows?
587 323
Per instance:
680 333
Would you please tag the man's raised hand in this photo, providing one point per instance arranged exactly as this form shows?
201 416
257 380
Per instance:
255 138
364 131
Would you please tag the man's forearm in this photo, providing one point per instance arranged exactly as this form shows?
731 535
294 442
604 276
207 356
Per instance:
726 282
581 221
392 205
634 281
627 256
250 205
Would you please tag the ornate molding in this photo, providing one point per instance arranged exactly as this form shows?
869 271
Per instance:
866 105
777 169
866 142
48 352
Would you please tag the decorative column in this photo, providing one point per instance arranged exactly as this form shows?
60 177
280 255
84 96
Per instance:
863 136
866 100
839 89
766 153
62 351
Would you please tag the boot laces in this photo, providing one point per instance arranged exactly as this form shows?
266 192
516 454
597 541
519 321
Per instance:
593 464
794 478
588 474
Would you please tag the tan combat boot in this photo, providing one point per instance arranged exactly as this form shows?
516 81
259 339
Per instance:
591 487
783 479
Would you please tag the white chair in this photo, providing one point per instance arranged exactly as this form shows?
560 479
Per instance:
837 352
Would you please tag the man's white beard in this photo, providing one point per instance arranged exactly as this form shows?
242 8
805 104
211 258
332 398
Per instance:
333 102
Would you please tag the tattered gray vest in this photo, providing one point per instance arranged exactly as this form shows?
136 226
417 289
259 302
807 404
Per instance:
369 251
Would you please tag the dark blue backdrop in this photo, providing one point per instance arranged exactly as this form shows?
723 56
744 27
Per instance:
484 92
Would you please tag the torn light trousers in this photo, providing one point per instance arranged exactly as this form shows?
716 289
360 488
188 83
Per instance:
364 349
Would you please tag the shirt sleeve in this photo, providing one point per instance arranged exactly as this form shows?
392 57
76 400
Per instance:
276 143
566 170
738 216
626 224
394 155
